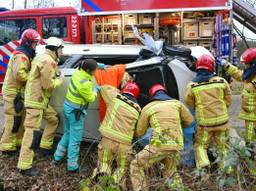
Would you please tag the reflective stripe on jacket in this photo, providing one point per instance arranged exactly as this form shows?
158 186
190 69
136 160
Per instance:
210 100
16 76
41 81
121 116
166 118
80 91
248 111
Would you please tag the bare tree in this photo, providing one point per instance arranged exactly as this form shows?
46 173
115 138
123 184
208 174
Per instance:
25 4
43 3
12 4
76 3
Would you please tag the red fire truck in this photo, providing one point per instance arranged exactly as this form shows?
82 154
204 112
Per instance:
110 22
60 22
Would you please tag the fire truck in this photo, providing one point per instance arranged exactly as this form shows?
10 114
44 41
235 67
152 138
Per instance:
191 23
61 22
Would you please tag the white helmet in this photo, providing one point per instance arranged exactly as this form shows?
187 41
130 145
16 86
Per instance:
53 41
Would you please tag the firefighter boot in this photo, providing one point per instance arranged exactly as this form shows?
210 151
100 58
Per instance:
56 162
174 182
45 152
30 172
10 153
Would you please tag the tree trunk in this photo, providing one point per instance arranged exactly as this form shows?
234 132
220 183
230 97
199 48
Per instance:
25 4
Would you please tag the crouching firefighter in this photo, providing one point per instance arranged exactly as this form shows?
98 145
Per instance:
210 96
166 117
117 130
13 91
41 82
80 93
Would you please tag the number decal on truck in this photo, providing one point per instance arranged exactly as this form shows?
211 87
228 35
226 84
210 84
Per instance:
74 24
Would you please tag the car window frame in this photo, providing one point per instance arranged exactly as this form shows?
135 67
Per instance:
78 57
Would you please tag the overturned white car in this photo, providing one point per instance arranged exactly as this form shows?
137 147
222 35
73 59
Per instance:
174 68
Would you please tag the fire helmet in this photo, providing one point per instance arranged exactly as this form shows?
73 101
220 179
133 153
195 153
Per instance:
55 42
132 89
155 88
29 36
248 56
205 62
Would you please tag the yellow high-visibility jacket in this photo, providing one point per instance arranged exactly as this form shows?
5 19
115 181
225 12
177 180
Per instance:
248 111
80 91
210 100
121 116
166 118
41 81
16 76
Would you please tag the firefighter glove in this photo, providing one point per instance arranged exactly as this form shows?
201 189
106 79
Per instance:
18 103
97 89
101 66
222 62
58 82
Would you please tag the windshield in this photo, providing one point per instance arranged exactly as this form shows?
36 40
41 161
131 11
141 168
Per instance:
55 27
12 29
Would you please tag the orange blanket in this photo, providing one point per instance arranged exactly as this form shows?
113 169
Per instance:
110 76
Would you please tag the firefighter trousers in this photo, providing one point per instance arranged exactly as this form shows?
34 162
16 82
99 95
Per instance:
250 131
70 141
204 138
13 128
110 151
251 139
32 137
147 158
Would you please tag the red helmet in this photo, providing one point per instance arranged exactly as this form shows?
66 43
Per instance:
156 88
248 56
132 89
29 36
205 62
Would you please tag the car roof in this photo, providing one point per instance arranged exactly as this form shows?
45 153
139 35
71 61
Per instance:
97 49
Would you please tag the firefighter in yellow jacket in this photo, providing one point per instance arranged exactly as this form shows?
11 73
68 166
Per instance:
210 96
41 82
166 117
13 91
248 77
117 129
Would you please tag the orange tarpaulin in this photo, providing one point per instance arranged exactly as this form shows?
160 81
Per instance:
110 76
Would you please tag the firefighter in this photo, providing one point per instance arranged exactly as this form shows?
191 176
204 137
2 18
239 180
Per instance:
166 117
210 96
115 76
117 130
248 77
80 94
13 91
41 82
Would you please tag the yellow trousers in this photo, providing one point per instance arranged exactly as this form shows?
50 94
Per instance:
110 150
31 139
147 158
251 138
12 137
203 138
250 131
